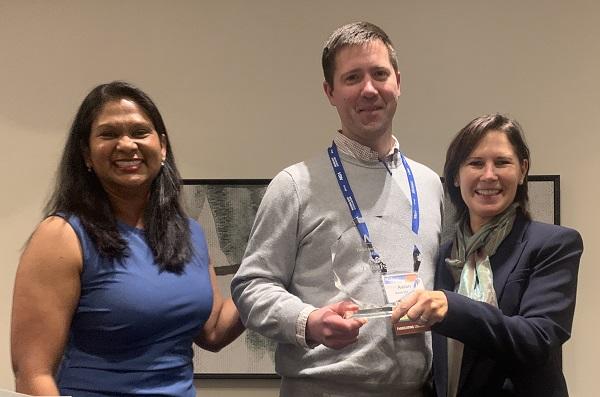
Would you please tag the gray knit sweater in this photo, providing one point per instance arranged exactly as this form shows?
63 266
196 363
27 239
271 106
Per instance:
302 225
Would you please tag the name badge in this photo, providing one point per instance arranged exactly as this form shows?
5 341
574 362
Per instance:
399 285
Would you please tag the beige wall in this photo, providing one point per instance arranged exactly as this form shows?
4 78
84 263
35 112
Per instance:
239 85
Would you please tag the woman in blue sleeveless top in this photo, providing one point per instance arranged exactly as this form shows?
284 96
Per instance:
115 284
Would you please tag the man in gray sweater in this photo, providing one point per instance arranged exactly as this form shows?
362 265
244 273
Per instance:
356 208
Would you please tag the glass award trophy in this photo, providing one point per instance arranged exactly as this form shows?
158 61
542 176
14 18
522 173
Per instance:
364 286
376 284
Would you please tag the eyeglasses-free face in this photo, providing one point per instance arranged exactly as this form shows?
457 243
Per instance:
365 91
489 177
125 151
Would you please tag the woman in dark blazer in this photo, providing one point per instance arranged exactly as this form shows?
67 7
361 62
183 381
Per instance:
506 285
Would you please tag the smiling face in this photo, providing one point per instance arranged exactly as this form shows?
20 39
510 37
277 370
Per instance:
365 92
489 177
125 151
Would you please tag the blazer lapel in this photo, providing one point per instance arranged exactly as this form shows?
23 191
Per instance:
508 255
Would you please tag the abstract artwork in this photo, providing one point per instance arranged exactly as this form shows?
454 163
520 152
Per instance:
226 211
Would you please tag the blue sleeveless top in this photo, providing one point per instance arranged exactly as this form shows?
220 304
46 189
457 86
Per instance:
133 329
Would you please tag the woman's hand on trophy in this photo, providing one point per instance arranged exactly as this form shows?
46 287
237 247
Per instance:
424 307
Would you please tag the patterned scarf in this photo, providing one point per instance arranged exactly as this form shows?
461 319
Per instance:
470 265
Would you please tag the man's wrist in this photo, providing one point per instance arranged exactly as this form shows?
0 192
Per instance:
301 327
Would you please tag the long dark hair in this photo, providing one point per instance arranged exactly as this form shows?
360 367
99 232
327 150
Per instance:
465 141
79 192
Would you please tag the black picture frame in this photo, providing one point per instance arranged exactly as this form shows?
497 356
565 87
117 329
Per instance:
226 209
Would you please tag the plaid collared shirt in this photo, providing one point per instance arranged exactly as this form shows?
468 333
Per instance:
362 152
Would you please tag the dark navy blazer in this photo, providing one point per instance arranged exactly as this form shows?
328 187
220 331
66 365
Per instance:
515 349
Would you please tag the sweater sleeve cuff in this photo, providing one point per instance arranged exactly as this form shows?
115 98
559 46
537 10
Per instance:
301 326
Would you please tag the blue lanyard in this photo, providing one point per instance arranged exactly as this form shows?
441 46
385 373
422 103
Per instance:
360 224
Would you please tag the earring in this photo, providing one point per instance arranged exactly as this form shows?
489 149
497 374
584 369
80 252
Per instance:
162 163
89 168
456 184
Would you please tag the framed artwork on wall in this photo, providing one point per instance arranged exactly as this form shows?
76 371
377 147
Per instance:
226 209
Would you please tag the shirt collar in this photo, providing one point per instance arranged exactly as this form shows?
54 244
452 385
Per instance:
362 152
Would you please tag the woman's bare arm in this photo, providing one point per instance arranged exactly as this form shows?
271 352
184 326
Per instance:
46 292
223 325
